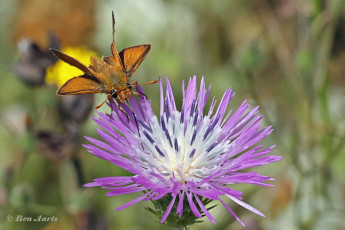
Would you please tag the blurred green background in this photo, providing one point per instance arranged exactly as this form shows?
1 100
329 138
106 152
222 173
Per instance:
287 56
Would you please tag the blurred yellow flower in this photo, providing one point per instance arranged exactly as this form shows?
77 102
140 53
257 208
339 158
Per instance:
61 72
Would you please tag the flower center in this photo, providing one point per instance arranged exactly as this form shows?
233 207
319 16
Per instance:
185 147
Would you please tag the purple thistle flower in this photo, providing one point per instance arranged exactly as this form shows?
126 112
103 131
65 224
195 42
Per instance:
189 157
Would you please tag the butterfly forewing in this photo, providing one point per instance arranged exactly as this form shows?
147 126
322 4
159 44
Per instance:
81 85
132 57
74 62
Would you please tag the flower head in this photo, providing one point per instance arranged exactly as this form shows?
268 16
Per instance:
61 72
184 157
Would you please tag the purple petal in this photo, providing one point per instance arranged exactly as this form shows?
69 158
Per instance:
124 190
179 208
109 180
100 144
170 95
247 206
208 193
159 196
231 212
192 205
167 212
161 98
138 199
205 210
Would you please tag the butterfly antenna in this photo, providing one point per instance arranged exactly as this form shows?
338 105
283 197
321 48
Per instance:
135 83
147 83
135 119
113 26
99 106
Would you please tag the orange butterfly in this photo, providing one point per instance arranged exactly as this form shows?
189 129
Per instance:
109 75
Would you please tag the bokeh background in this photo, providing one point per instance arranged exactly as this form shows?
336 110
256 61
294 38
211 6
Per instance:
288 56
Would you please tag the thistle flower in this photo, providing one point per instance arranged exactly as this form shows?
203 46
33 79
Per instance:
184 159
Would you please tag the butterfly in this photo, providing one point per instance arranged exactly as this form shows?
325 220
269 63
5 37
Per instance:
109 75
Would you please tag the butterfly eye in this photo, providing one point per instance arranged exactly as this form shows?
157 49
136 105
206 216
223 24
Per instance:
113 93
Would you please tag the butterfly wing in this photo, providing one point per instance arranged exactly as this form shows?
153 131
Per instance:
73 62
84 84
132 57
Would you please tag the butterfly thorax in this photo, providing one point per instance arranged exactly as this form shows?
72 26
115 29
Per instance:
111 75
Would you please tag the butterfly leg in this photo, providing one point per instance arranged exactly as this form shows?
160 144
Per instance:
108 99
99 106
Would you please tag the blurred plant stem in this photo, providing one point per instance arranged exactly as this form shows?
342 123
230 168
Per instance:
314 139
79 172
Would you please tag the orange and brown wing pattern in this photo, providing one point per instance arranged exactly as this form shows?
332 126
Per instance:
132 57
81 85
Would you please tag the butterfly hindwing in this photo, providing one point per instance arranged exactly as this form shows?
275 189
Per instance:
132 57
81 85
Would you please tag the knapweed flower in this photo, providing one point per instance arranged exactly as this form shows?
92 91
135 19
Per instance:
61 72
183 159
